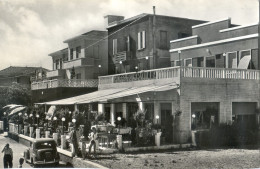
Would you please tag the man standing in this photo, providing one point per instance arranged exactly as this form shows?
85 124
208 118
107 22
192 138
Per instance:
93 137
8 156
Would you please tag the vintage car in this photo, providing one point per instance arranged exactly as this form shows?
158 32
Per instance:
42 151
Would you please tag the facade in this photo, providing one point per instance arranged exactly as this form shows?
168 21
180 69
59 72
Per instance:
142 42
214 79
75 69
21 75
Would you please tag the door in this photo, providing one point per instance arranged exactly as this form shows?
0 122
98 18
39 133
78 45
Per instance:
166 122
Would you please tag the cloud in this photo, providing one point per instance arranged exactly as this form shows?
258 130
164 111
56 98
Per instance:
31 29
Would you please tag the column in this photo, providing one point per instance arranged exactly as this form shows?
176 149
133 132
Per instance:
31 132
47 134
124 110
63 141
38 135
26 130
75 107
141 105
112 114
101 108
55 137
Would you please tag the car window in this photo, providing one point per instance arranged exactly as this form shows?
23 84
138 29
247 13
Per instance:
44 145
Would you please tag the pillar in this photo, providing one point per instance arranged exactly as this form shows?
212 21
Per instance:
47 134
55 137
124 110
75 107
38 133
31 132
119 141
158 139
26 130
101 108
112 114
63 141
141 105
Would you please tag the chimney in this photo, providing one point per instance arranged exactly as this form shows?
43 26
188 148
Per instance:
112 19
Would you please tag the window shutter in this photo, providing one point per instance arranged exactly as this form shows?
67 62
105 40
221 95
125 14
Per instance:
143 39
139 40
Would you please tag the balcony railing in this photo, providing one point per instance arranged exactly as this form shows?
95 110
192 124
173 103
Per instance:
171 72
78 62
55 73
64 83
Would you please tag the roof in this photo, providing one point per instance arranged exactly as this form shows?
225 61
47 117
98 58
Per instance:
18 71
59 52
94 34
117 23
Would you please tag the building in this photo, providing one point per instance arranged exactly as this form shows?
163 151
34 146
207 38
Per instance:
219 76
75 69
142 42
21 75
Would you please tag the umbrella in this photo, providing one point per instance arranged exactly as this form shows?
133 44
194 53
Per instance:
51 111
16 110
11 106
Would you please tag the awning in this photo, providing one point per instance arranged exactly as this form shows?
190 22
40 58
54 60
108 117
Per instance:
109 94
244 62
16 110
11 106
82 98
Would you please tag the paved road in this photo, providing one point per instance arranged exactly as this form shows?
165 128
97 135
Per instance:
18 150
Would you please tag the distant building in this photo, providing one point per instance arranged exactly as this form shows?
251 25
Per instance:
75 69
21 75
142 42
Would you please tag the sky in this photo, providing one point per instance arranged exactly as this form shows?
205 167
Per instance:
32 29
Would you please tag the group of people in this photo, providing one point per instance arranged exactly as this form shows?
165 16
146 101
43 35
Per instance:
92 138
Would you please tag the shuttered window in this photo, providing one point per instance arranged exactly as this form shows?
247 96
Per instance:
141 40
114 46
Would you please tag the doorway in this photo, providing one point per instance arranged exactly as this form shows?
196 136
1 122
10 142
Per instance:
166 122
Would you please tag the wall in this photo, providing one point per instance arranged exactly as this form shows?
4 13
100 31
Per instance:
224 91
172 25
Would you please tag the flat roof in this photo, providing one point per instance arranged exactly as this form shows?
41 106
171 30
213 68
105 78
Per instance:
238 27
177 40
208 23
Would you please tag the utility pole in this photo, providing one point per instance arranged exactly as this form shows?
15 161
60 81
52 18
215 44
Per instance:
154 45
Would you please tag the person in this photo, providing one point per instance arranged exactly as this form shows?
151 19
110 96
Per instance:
21 160
92 136
74 141
8 156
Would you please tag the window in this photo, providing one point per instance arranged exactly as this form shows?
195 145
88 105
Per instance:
61 63
78 51
127 42
231 60
177 63
114 46
210 61
57 64
71 54
64 57
188 62
163 40
182 35
141 40
78 76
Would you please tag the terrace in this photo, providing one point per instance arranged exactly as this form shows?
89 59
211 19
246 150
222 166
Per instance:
175 73
64 83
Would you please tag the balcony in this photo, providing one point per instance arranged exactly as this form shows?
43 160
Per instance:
78 62
121 56
91 83
174 73
56 73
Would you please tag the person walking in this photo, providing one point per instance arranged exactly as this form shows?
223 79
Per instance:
92 136
8 156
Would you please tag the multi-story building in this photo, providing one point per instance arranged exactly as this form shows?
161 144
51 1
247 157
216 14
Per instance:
21 75
142 42
75 69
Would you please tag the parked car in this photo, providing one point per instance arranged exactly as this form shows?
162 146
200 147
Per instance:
42 151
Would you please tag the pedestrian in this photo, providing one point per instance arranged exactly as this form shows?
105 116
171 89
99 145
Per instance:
74 141
21 160
93 137
8 156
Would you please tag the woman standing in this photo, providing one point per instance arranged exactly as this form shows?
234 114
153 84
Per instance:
8 156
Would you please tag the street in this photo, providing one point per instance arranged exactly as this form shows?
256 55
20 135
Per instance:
18 150
190 158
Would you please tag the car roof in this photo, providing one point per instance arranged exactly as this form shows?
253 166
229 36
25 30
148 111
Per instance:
42 140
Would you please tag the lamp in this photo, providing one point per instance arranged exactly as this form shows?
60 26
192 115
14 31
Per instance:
63 119
73 120
119 119
157 118
193 116
37 116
